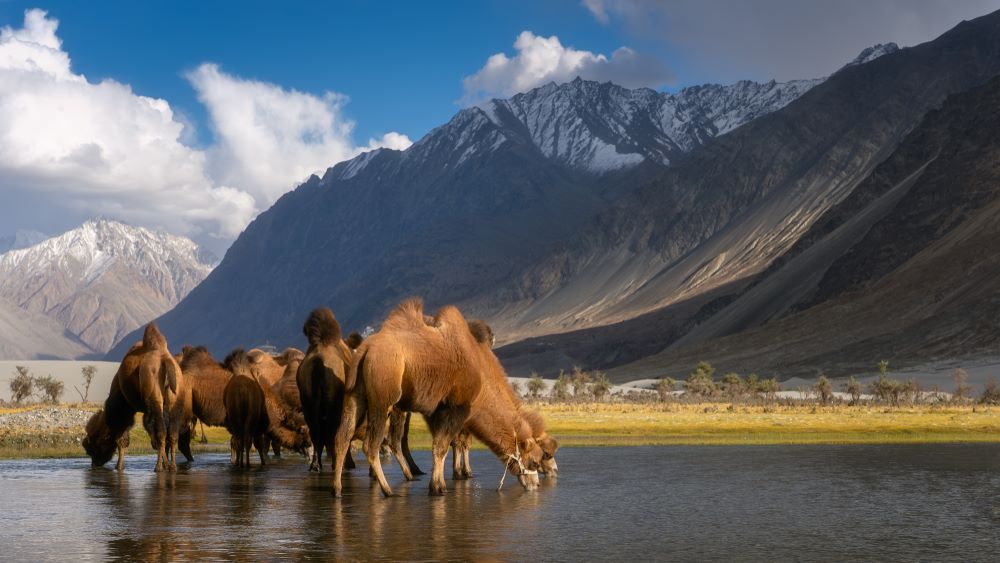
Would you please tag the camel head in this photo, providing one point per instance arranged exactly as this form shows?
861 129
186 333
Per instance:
528 464
100 442
549 446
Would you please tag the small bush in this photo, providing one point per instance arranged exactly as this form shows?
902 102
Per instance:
88 373
700 382
49 388
824 389
732 384
853 388
580 380
560 389
535 385
665 387
600 387
962 389
991 393
22 385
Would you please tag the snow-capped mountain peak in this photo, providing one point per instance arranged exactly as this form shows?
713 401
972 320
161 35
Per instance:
871 53
103 278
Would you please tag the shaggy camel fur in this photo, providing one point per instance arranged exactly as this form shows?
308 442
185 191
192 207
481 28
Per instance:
108 429
152 383
320 381
441 372
269 371
208 379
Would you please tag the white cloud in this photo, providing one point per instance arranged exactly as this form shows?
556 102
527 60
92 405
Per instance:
540 60
268 138
82 148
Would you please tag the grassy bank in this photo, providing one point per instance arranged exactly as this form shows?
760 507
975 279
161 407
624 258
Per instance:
601 424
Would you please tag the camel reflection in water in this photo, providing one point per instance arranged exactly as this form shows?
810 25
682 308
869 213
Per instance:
212 510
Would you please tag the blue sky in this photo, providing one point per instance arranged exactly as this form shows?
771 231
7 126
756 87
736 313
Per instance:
400 63
194 117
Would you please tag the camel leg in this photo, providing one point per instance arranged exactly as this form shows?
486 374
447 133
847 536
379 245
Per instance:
349 460
153 421
184 444
354 410
373 446
456 463
120 466
467 469
445 424
396 428
414 469
259 442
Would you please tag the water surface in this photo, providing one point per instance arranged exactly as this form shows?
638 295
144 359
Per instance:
887 503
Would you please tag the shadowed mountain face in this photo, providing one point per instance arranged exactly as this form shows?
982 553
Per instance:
516 228
906 268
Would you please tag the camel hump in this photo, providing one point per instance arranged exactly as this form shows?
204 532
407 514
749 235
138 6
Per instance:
481 332
354 340
238 362
535 421
321 327
256 355
153 338
170 372
231 359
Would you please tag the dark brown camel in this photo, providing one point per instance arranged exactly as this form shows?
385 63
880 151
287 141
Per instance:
440 371
108 429
320 381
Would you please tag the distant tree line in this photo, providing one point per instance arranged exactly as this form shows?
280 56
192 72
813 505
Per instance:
45 389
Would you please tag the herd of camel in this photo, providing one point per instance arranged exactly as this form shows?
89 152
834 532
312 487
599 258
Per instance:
442 367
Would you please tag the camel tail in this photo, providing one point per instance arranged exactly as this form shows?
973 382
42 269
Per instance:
356 370
153 338
169 372
321 327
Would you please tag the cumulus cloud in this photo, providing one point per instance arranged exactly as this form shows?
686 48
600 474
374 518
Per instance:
270 138
74 147
728 40
540 60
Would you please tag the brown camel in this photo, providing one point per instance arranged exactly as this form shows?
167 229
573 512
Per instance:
152 383
207 379
440 371
108 429
320 381
270 371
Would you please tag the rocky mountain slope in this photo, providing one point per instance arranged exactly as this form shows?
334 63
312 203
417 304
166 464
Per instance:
100 281
906 268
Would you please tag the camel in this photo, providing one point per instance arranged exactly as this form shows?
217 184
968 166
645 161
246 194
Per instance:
152 383
108 429
320 381
439 371
462 445
270 371
253 412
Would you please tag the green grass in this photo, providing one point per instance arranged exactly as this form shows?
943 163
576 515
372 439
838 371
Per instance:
601 424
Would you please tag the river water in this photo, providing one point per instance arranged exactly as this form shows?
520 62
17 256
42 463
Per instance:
769 503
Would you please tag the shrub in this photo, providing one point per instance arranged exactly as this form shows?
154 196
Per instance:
580 380
22 385
535 385
853 388
912 391
962 389
824 389
752 384
49 388
991 393
886 390
601 386
560 389
516 388
665 387
700 382
770 387
88 373
732 383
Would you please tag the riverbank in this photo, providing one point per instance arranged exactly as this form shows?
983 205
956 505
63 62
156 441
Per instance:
56 431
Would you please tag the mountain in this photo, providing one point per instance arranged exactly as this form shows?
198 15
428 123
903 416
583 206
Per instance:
491 211
904 269
102 280
25 335
21 239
